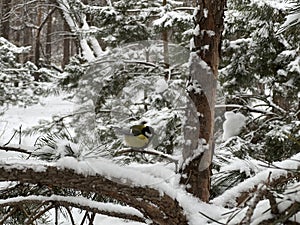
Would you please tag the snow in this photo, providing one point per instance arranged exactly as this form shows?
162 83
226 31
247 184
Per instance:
13 48
168 18
197 30
159 176
243 166
101 219
292 19
87 52
205 12
233 124
276 4
161 85
14 117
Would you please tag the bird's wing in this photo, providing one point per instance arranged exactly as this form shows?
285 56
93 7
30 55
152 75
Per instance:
137 129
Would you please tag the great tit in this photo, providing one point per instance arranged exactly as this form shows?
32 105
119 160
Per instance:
139 136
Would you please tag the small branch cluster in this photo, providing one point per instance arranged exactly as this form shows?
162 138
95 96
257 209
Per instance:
268 195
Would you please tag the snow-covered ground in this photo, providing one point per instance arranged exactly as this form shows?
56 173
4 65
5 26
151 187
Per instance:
15 117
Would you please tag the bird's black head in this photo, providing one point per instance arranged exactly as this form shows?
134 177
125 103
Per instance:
147 131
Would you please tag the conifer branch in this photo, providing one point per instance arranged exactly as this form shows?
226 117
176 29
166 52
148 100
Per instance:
160 208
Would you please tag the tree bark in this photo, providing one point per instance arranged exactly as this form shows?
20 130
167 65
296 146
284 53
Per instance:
38 37
66 47
204 73
48 39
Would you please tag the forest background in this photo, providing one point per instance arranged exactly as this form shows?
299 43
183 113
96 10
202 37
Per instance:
117 63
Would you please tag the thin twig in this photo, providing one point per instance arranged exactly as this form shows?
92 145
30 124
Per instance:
20 134
3 131
56 215
84 217
14 149
92 218
70 215
212 219
11 138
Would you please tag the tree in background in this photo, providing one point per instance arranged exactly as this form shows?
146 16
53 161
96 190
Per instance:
21 83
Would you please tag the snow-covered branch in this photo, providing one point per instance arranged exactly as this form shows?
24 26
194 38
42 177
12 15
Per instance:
147 194
109 209
246 107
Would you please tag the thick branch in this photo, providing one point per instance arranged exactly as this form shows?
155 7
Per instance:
160 208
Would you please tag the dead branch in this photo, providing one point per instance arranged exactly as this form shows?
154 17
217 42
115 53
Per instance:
15 149
273 203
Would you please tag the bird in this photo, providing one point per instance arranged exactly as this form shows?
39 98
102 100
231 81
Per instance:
138 136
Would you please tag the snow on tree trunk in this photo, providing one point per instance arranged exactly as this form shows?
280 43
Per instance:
204 63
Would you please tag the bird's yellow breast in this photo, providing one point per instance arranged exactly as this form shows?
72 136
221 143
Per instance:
138 141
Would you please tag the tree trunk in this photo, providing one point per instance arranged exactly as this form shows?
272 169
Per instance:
204 72
166 46
5 22
66 47
48 39
38 38
27 35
